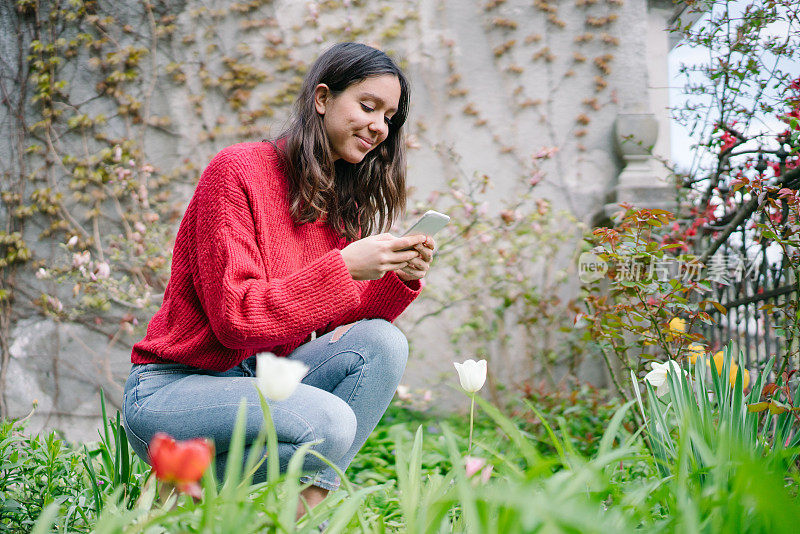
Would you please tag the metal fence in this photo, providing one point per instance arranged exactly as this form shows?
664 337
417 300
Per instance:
755 293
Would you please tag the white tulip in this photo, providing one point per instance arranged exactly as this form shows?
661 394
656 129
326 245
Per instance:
471 374
658 376
277 378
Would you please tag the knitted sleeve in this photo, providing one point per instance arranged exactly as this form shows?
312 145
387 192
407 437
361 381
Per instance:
385 298
245 308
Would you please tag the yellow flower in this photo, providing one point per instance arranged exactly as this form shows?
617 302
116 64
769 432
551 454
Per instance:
677 325
719 360
695 351
745 378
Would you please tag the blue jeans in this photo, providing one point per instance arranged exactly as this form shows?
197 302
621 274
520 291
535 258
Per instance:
350 383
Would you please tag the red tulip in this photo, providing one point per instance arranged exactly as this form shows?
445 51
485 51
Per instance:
181 463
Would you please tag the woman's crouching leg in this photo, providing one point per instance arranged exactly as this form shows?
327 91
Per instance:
189 405
310 415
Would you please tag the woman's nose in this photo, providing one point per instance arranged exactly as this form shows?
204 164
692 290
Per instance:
379 127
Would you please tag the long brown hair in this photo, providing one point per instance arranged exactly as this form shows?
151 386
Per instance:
356 198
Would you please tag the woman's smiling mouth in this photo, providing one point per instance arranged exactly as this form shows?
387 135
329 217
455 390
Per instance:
366 143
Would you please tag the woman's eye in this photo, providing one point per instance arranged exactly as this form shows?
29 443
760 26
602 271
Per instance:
370 110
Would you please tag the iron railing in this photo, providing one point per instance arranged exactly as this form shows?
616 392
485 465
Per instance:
755 293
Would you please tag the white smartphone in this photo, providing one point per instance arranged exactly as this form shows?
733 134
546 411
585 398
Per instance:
430 223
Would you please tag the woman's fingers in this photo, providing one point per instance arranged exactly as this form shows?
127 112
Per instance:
424 252
405 256
408 242
419 266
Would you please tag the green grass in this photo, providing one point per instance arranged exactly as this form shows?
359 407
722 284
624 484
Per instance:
562 463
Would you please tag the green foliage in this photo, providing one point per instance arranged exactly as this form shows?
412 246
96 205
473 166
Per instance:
580 411
702 410
709 444
649 287
36 473
723 472
113 469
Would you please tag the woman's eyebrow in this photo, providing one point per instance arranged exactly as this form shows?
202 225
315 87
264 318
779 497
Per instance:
378 99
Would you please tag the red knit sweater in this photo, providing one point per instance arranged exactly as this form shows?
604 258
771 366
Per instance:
246 279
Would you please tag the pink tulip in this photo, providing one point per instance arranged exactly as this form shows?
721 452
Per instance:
473 464
486 473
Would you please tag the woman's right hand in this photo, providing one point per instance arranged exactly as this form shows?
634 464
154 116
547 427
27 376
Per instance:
372 257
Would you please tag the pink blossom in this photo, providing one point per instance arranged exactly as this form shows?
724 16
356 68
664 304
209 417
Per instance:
54 303
117 153
546 152
486 473
403 393
508 216
728 140
80 259
473 464
103 270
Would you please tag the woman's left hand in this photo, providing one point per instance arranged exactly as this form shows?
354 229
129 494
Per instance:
418 267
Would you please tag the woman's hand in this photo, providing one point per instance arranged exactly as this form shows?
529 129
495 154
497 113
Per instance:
418 267
372 257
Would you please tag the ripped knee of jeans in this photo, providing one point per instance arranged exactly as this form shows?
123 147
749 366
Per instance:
340 331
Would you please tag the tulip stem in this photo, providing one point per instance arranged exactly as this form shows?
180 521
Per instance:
273 462
471 413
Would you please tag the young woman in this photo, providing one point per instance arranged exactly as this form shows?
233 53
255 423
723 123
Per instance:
275 254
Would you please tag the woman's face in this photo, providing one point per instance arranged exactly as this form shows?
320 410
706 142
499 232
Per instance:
357 119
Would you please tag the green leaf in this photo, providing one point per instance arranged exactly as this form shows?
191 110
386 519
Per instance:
758 406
